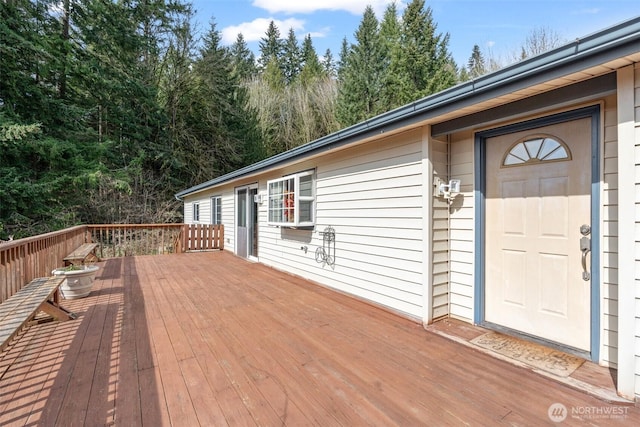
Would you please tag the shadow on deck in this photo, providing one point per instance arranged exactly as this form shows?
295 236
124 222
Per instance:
209 339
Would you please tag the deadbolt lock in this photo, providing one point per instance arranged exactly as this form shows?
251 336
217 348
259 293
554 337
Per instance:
585 230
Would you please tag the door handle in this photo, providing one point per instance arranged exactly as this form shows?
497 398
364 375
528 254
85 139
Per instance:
585 248
586 276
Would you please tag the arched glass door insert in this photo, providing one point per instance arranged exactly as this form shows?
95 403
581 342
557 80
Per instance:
535 149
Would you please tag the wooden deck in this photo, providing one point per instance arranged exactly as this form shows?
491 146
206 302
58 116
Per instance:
209 339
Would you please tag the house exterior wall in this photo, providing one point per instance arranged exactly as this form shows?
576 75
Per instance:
371 195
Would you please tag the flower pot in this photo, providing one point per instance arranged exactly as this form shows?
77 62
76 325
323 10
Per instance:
78 281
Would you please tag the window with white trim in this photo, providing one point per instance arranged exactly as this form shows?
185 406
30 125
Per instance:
196 211
292 200
216 210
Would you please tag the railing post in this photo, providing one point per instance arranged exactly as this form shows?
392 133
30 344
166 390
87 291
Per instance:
185 238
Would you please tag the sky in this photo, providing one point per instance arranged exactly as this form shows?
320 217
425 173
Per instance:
498 27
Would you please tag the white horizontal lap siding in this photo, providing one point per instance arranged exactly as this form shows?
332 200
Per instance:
372 196
227 215
188 212
440 233
461 233
205 209
609 235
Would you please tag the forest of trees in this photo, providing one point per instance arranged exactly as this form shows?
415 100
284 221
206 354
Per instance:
107 108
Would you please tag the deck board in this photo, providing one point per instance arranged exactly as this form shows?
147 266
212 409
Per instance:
210 339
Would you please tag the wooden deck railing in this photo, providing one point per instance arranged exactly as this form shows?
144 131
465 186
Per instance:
25 259
117 240
202 237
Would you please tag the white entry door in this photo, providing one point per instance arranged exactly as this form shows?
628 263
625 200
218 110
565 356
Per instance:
538 196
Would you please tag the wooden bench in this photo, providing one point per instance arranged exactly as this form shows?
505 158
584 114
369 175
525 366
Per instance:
83 253
39 295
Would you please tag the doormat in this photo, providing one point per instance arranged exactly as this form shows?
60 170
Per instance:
538 356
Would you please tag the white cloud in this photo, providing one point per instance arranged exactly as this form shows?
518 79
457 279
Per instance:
256 29
490 44
322 32
355 7
591 11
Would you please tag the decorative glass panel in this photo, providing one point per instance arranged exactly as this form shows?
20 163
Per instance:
536 149
533 147
557 154
547 148
520 152
512 160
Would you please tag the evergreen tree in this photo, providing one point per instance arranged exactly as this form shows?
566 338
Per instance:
225 125
117 75
42 179
328 65
311 68
342 62
273 77
113 78
476 65
422 64
27 67
45 166
298 111
291 58
88 74
242 58
361 74
271 47
179 93
64 49
463 75
390 32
